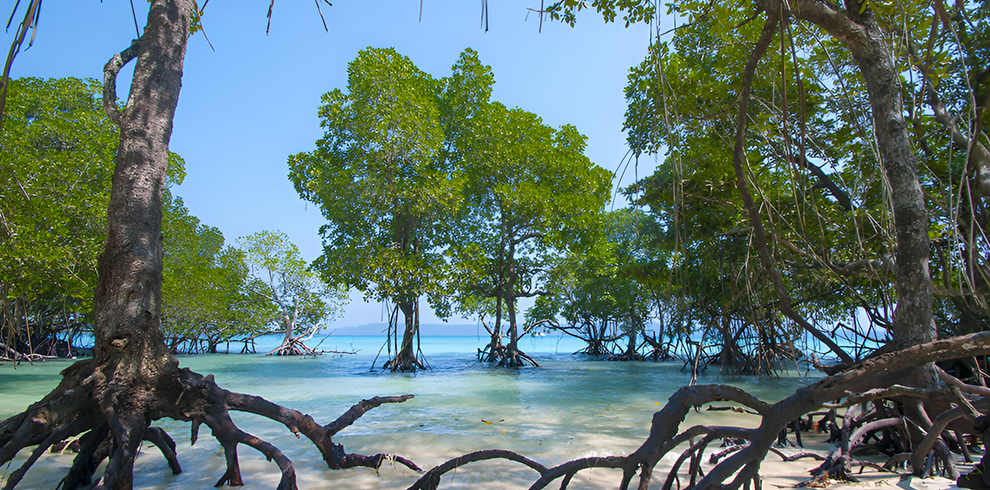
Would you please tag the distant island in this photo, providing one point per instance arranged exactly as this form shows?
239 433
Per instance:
426 329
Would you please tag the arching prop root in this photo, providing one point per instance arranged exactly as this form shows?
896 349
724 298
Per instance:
504 356
405 364
112 420
294 347
742 464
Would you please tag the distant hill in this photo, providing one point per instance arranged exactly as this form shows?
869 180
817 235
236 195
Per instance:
431 329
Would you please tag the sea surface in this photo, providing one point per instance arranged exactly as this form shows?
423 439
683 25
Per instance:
571 406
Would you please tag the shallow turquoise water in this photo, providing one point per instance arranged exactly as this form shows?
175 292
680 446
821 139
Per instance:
431 346
569 407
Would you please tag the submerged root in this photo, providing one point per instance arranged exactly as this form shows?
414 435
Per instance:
404 364
627 356
516 358
655 348
113 419
502 355
10 355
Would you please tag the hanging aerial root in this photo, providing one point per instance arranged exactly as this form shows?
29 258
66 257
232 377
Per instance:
404 364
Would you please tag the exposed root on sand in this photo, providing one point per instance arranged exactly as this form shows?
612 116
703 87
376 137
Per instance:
113 418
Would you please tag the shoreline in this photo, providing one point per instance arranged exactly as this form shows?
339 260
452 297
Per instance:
565 410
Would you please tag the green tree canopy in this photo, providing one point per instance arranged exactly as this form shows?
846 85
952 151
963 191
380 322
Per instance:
599 295
531 194
57 158
281 278
861 168
385 176
57 165
58 149
204 286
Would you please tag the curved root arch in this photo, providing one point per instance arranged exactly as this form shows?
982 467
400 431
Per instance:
503 355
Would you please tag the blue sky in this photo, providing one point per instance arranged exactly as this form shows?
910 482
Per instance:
253 101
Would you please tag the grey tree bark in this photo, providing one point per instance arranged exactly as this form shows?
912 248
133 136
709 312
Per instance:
859 32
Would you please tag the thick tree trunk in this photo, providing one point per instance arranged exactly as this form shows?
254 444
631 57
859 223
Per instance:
510 306
128 293
495 344
129 347
857 30
133 378
913 322
131 367
504 292
290 327
510 355
405 357
509 294
292 344
630 353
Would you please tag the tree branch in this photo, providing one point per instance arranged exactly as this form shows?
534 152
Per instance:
978 153
110 71
739 161
30 22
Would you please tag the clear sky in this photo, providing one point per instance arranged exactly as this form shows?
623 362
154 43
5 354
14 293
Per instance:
251 102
